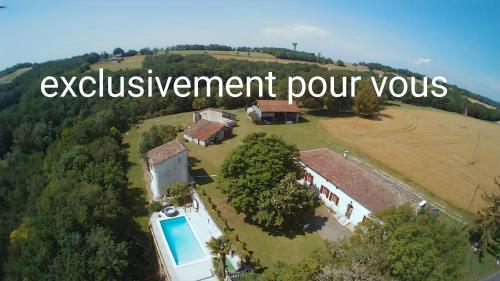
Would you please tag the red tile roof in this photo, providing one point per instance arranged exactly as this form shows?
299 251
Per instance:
204 129
277 106
361 186
165 151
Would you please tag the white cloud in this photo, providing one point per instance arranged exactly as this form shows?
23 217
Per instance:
294 31
423 61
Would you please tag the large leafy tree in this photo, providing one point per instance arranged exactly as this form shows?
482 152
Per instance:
256 166
286 204
366 102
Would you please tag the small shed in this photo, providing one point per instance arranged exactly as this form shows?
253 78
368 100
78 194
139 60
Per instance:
275 111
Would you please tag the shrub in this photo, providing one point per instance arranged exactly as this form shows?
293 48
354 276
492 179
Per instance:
181 193
154 207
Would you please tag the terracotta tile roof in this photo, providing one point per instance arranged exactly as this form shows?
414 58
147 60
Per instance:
277 106
361 186
204 129
165 151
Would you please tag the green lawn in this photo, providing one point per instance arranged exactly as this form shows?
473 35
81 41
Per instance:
207 160
10 77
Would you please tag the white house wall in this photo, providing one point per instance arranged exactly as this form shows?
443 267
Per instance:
168 172
358 211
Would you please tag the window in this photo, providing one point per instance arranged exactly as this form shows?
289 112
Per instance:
325 191
308 178
334 198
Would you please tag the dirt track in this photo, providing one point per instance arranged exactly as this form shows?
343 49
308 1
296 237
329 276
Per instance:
446 154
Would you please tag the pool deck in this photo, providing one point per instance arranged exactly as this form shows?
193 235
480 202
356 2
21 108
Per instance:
204 229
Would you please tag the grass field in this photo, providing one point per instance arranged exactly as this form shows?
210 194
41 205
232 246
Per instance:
445 153
133 62
136 61
10 77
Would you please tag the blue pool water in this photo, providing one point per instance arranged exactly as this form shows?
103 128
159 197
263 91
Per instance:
181 240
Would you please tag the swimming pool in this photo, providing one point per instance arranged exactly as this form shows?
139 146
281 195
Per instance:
183 244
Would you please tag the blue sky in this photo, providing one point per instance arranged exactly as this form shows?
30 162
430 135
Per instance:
457 39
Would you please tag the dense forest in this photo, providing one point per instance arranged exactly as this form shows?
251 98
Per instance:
65 209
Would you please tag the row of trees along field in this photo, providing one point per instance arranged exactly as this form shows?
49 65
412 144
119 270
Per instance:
65 210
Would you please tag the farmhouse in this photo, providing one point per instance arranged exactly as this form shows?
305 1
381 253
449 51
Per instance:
351 192
167 164
210 126
275 111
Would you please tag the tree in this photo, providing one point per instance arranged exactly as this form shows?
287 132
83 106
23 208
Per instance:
156 136
338 104
257 165
146 51
340 63
354 270
486 229
93 58
130 53
219 248
200 103
366 103
285 205
415 247
118 51
181 193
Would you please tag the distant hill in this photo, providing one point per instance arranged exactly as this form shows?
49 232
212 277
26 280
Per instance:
458 100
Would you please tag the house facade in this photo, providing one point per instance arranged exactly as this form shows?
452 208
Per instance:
167 164
344 187
210 126
275 111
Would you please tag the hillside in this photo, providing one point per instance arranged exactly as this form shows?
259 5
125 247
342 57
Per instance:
461 100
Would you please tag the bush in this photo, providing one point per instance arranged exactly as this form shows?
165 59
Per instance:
254 117
181 193
154 207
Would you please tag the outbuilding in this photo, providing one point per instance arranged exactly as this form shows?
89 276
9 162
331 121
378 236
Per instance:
210 126
275 111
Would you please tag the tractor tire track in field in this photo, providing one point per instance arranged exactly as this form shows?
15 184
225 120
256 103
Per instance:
385 133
